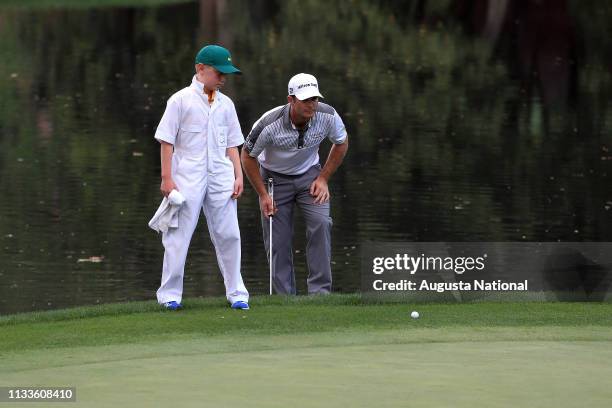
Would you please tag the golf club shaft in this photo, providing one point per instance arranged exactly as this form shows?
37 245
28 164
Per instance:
271 193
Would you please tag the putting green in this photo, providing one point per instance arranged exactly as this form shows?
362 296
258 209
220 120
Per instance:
465 367
315 352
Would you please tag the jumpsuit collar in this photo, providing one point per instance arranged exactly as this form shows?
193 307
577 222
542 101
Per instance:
199 87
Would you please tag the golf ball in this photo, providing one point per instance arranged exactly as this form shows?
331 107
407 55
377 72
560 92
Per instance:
414 315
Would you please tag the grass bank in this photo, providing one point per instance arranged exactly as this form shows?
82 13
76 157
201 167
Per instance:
145 322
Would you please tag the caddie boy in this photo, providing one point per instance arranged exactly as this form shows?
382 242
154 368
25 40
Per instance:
199 135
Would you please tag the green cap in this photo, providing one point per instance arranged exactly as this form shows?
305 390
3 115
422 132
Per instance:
217 57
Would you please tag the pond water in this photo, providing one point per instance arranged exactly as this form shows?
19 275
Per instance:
467 122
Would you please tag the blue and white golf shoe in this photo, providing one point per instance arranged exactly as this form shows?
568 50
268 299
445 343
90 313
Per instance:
173 305
241 305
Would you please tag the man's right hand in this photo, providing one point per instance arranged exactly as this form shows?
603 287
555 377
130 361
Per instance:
267 206
167 185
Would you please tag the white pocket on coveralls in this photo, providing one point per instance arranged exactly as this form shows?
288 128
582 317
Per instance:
222 136
190 140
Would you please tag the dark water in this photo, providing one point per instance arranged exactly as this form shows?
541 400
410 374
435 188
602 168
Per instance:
468 121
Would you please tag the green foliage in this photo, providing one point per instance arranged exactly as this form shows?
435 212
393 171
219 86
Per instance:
84 4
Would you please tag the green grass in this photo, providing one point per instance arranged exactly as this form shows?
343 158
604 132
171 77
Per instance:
316 351
147 322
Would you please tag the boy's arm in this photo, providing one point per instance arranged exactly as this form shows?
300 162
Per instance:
166 136
234 156
167 184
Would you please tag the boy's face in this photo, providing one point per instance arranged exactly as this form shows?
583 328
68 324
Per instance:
210 77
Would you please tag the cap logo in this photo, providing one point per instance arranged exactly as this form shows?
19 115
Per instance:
306 85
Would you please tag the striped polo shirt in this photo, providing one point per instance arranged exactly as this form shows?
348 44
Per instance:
274 140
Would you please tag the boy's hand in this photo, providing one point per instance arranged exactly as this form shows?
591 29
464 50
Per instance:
238 188
167 185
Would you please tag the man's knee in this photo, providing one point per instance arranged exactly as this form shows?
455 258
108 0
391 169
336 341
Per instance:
320 222
282 244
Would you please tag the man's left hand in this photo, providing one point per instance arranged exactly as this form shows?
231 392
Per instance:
238 188
319 190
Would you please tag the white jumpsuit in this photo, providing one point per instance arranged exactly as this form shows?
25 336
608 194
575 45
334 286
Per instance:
201 133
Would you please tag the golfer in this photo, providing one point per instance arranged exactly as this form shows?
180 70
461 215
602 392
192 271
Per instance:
199 135
284 145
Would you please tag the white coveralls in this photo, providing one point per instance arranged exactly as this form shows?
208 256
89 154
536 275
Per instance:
204 174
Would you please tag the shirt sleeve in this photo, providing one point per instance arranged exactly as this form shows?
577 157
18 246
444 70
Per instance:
234 133
169 124
337 134
255 143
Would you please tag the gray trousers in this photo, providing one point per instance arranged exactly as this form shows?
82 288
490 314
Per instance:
288 191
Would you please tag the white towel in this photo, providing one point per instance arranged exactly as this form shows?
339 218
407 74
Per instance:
167 214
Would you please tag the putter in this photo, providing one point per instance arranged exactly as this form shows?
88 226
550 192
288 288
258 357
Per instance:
271 193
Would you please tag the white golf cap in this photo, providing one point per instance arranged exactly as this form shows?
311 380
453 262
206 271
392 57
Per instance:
304 86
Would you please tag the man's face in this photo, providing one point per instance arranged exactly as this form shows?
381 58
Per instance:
210 77
306 108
